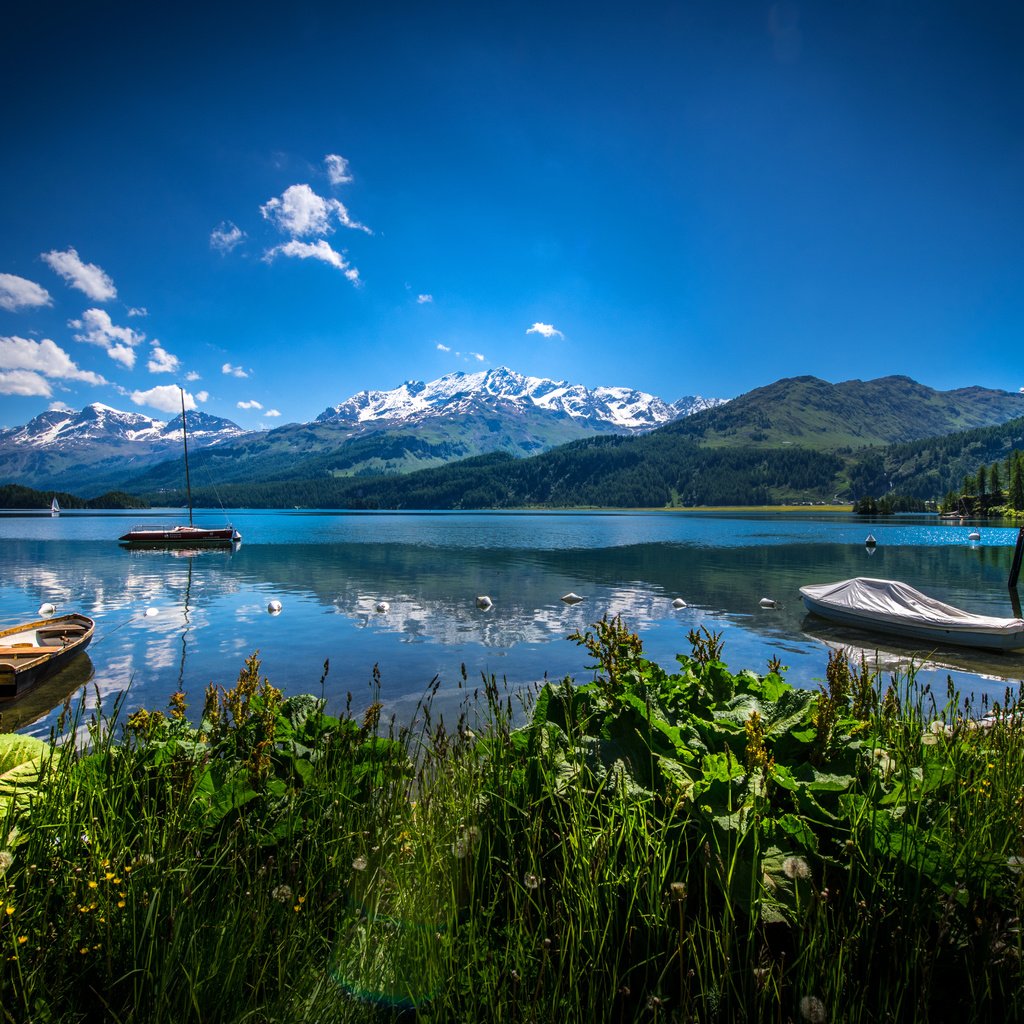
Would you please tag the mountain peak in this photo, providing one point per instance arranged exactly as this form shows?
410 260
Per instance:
620 409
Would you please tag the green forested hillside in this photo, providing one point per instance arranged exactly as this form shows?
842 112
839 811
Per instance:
813 413
16 496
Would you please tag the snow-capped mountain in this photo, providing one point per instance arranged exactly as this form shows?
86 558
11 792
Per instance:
99 424
623 410
414 426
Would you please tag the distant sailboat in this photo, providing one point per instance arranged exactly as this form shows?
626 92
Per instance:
182 535
55 506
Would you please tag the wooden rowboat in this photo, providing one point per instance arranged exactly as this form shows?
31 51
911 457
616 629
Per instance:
31 651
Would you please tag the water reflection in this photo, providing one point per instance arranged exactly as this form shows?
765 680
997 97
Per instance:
212 604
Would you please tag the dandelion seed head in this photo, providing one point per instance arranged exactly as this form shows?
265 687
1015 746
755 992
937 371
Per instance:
460 847
359 864
796 867
1015 864
6 860
812 1010
530 880
282 893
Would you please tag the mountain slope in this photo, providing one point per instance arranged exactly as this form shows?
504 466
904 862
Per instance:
414 426
88 451
812 413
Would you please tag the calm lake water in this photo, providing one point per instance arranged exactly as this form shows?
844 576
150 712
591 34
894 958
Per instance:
167 619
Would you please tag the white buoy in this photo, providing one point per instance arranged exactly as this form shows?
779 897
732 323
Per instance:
870 541
484 603
678 603
768 602
974 535
383 606
152 612
571 598
274 607
46 610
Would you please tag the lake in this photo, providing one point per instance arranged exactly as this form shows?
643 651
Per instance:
166 619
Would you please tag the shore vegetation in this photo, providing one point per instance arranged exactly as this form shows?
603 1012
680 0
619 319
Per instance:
688 845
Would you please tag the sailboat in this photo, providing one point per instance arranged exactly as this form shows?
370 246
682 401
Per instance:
55 506
182 535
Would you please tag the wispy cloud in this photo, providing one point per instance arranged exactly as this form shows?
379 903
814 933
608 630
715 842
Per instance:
337 169
165 397
226 236
192 375
249 405
442 348
161 361
272 412
421 299
86 277
300 212
59 407
96 328
20 293
138 311
202 396
547 330
25 365
318 250
478 357
233 371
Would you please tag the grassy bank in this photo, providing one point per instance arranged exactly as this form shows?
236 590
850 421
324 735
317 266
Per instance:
696 845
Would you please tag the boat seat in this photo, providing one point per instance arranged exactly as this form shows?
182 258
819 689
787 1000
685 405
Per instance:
28 649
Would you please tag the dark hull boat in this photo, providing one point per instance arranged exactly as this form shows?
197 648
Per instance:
31 651
182 536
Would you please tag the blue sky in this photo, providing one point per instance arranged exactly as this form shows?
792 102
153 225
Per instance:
278 206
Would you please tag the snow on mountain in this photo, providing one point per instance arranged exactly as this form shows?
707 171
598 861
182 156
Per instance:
617 408
101 424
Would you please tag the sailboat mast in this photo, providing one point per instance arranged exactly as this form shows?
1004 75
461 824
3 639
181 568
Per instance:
184 437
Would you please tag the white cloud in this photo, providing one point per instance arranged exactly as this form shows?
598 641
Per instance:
97 328
165 397
44 358
546 330
192 375
272 412
233 371
24 382
424 298
202 396
226 236
249 405
442 348
86 277
299 211
318 250
337 169
478 357
162 361
138 311
122 354
21 293
59 407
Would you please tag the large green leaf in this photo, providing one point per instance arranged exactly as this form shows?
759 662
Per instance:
21 761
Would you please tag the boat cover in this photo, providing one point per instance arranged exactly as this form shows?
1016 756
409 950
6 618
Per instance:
889 601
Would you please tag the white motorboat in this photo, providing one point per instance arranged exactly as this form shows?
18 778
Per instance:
889 606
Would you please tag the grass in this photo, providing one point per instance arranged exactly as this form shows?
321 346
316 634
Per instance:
687 846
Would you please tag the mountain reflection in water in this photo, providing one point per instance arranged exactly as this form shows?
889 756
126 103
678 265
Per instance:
208 609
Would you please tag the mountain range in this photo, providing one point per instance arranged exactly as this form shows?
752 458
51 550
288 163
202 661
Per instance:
373 432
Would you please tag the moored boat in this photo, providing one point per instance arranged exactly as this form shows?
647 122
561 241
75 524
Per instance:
141 536
889 606
31 651
175 535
